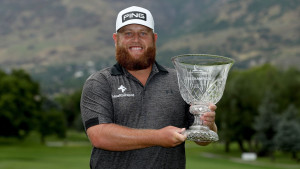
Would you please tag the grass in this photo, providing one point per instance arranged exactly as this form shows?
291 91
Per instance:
214 157
75 153
37 157
55 154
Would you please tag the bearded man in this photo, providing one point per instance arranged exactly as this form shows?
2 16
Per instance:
133 112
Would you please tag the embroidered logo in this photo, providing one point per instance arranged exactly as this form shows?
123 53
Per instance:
122 88
133 15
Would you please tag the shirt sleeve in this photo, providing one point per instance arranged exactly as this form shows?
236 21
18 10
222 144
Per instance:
96 104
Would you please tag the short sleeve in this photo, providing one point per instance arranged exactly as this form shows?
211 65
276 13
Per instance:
96 104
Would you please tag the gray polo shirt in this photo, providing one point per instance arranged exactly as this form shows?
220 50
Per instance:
113 95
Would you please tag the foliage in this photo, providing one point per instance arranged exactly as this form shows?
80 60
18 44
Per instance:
19 103
52 122
288 135
243 93
265 124
23 109
251 107
289 89
71 107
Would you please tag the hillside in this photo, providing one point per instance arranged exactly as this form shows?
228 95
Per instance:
61 42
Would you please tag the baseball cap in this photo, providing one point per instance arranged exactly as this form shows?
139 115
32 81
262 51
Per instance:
134 15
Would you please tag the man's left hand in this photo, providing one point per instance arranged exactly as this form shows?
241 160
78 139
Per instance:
209 118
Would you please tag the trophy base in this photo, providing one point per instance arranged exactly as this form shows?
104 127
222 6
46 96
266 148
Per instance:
201 134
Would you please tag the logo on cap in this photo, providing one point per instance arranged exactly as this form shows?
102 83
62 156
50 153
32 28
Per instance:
133 15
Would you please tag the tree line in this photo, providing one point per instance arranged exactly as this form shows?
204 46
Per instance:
23 108
259 110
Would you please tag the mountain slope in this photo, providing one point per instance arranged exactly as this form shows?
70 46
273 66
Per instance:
60 42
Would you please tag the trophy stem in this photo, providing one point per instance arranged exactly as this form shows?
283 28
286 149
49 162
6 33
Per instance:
198 131
198 120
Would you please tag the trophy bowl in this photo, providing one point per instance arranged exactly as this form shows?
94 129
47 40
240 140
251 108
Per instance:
201 80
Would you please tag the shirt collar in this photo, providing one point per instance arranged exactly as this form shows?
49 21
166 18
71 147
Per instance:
117 69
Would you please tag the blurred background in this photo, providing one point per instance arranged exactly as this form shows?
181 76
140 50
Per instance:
49 47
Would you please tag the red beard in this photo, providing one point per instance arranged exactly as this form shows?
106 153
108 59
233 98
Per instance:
125 59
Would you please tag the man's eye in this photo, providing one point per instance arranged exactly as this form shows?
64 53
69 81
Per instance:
143 33
128 33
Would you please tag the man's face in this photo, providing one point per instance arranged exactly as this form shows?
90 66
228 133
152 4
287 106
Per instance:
135 47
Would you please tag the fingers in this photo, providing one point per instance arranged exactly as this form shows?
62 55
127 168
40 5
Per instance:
212 107
182 131
176 136
181 136
209 117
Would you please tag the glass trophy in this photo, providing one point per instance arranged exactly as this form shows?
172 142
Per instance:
201 80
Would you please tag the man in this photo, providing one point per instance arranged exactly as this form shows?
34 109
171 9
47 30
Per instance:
133 113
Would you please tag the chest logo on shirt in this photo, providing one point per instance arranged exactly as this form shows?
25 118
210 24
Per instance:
122 88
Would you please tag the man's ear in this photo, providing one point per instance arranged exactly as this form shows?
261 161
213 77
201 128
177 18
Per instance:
155 37
115 35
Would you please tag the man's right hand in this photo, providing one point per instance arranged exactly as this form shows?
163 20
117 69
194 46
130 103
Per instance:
171 136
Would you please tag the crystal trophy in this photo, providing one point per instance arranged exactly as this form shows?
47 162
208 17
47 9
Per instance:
201 80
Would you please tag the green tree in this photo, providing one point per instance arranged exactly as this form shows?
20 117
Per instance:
265 125
288 134
289 88
70 105
52 122
226 118
239 106
19 104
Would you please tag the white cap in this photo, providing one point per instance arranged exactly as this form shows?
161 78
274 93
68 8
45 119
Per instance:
134 15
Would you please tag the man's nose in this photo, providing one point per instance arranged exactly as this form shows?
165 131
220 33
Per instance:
136 37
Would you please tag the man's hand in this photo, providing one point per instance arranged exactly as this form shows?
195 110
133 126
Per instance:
209 118
171 136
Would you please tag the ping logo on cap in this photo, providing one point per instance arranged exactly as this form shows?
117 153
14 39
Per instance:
133 15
